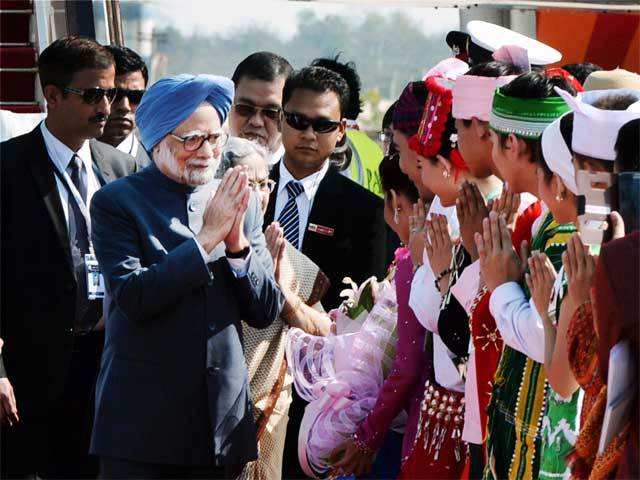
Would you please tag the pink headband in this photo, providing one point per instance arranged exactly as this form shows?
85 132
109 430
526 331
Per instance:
473 96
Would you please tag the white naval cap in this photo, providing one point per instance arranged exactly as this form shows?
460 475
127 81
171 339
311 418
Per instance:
493 37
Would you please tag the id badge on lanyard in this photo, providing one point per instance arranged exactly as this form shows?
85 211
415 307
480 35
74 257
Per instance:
93 273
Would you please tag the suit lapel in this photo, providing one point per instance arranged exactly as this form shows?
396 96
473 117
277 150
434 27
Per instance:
106 173
41 167
271 208
326 207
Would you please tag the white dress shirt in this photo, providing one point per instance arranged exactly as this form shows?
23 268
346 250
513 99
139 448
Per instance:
61 156
129 145
304 201
516 317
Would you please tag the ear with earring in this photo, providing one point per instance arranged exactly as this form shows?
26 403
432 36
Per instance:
446 174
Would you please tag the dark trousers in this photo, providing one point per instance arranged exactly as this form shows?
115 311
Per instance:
115 468
290 464
476 454
56 445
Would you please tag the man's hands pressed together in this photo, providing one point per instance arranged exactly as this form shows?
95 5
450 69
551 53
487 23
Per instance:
499 262
224 215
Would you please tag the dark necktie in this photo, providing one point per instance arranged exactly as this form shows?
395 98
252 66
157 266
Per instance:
289 219
78 233
87 312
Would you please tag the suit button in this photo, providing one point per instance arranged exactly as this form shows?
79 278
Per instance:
212 370
211 327
70 330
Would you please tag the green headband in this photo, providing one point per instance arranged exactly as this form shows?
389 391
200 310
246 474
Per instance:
524 117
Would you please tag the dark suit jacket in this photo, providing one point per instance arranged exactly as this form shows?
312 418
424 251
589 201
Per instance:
173 383
142 157
38 287
358 244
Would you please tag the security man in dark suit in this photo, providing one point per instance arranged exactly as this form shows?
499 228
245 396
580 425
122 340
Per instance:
132 77
334 221
49 324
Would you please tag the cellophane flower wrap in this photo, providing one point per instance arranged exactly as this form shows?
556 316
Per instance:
341 375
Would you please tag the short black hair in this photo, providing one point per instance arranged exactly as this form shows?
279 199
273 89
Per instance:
581 71
347 71
128 61
534 85
387 120
392 178
494 69
265 66
318 79
628 147
60 61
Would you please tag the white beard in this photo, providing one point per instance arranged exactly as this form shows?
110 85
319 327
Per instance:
186 174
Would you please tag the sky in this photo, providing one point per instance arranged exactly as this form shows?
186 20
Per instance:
280 16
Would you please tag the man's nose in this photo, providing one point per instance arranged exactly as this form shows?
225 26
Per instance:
121 105
308 132
104 106
206 150
256 119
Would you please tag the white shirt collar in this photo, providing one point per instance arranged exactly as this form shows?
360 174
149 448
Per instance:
129 145
309 183
61 154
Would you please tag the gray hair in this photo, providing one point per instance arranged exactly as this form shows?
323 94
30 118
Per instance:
238 148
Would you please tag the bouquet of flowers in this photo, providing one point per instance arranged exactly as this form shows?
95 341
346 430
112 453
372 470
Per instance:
341 375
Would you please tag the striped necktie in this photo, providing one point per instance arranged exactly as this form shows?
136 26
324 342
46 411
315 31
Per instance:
289 219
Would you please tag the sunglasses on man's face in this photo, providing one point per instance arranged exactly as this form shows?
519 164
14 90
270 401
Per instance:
134 96
249 111
92 96
319 125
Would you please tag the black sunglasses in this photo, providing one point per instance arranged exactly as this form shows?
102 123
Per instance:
134 96
248 111
92 96
319 125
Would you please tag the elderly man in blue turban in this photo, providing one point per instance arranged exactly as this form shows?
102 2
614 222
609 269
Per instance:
184 259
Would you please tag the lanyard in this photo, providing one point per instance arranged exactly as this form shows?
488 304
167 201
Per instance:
73 191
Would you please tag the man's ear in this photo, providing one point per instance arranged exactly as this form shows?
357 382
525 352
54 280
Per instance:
52 94
342 132
481 129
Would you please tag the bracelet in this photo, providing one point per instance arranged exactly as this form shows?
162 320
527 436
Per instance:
443 274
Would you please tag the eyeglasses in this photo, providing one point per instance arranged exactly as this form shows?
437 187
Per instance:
262 185
319 125
134 96
192 143
93 96
249 111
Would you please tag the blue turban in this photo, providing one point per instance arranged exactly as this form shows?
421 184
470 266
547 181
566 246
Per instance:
170 101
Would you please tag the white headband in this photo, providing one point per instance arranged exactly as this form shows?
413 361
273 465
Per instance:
558 156
595 131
